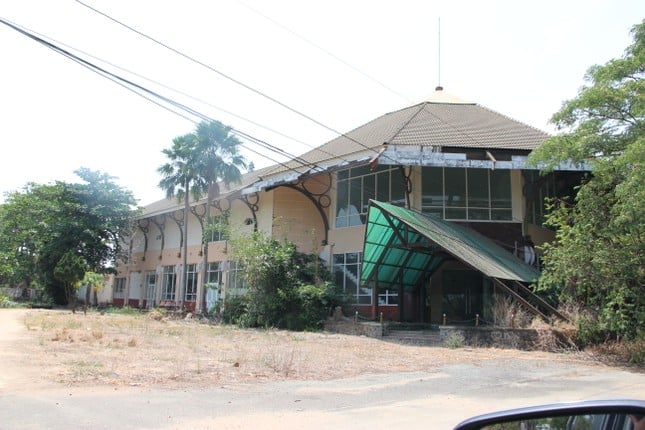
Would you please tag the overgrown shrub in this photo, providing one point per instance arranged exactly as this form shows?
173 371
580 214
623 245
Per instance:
506 312
286 288
235 311
312 305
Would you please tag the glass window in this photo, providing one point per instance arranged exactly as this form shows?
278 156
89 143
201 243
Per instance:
119 288
190 295
151 285
356 186
478 198
168 283
388 297
217 228
347 273
236 278
473 194
500 189
455 187
397 188
214 274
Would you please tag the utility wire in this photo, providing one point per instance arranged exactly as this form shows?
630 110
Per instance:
325 51
224 75
154 97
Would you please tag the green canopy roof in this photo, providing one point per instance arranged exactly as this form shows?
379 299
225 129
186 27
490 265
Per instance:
403 247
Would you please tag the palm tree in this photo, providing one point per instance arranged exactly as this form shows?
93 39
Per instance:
220 161
177 177
197 161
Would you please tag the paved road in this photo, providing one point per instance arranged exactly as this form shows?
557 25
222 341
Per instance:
419 400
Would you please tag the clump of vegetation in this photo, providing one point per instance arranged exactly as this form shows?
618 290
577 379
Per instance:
286 288
597 259
6 302
454 340
507 312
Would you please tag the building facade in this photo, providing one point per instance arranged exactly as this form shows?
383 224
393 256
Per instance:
445 158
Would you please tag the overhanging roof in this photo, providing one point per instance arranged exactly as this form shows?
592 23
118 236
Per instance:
443 121
403 247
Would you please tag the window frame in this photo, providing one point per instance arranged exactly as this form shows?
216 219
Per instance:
118 292
451 203
168 283
343 269
357 185
190 294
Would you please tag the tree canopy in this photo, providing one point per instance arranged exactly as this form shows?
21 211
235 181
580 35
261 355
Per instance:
597 260
45 222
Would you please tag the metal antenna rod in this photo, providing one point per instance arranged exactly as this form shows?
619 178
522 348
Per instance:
439 55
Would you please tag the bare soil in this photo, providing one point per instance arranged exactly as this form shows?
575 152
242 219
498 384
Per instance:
57 347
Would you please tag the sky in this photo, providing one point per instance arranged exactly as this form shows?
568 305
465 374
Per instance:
339 63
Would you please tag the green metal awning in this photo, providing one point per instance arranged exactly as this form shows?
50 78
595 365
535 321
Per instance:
403 247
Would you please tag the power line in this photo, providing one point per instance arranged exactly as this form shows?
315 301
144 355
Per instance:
224 75
325 51
154 97
151 95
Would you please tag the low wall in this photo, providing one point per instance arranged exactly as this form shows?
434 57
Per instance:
477 337
369 329
483 337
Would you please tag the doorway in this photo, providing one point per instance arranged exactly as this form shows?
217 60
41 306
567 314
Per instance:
462 297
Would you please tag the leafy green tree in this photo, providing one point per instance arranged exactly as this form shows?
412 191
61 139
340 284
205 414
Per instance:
597 260
42 223
71 269
196 163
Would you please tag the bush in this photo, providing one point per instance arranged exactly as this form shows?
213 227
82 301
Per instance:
313 305
235 311
6 302
454 340
286 288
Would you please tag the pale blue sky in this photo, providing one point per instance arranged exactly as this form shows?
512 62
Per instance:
521 58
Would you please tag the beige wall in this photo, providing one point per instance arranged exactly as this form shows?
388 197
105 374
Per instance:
296 218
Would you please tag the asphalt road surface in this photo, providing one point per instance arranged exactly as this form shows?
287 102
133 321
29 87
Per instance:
419 400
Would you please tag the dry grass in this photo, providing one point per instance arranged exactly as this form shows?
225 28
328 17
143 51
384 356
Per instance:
151 351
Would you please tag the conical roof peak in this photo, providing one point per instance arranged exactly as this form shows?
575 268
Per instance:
441 96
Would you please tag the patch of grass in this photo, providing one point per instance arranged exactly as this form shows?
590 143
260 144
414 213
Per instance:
126 310
454 340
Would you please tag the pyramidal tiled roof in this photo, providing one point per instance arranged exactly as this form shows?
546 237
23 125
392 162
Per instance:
441 121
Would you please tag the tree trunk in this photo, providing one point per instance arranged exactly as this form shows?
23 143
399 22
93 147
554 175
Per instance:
184 277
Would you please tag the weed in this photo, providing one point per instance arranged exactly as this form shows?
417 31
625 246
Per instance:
454 340
281 362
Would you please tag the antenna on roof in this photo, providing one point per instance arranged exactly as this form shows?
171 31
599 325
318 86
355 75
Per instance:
439 87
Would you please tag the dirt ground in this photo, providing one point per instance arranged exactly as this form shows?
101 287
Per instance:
65 349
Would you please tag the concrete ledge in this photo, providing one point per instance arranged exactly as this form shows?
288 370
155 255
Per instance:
369 329
492 336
